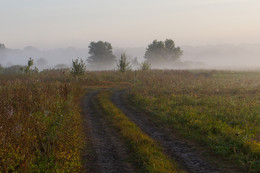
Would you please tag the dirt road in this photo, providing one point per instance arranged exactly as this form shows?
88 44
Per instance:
179 150
109 151
110 154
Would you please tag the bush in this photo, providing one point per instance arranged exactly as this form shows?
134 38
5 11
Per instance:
123 64
145 66
78 67
30 63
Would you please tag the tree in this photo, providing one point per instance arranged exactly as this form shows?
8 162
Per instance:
78 67
61 66
123 64
135 63
162 53
1 69
2 46
2 50
27 69
42 62
29 65
16 69
101 55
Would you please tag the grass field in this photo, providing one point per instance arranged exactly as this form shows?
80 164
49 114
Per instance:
41 126
40 123
220 109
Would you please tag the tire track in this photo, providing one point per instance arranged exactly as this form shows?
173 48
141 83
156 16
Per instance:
176 149
110 154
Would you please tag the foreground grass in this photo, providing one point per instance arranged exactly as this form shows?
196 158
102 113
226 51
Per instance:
147 155
219 109
40 124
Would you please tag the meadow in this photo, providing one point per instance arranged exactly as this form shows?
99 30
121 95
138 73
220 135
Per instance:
219 109
41 124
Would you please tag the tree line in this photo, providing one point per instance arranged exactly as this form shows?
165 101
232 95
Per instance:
158 53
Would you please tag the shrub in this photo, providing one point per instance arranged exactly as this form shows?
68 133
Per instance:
123 64
78 67
29 64
145 66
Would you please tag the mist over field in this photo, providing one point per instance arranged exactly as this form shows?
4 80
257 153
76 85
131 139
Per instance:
52 57
212 34
244 56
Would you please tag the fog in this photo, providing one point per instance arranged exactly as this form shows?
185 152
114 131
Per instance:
43 59
244 56
44 25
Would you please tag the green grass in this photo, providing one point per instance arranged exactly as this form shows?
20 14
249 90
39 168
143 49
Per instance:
146 153
219 109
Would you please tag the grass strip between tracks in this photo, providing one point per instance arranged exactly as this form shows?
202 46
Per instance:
146 154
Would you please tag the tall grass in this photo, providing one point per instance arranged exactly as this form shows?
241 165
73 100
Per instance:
40 124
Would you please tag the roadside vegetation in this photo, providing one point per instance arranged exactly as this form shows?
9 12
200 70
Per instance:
146 154
40 123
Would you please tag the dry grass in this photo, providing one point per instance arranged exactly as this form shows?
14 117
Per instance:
40 124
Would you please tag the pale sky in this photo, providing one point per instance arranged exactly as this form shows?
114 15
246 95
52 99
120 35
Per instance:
128 23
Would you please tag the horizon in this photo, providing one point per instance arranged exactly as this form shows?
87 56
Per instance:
208 56
126 47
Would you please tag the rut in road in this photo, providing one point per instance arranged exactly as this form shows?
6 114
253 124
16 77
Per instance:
176 149
110 153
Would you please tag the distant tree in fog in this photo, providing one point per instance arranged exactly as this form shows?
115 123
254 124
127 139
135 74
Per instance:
162 52
101 54
135 63
1 69
16 69
2 46
42 62
61 66
2 53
